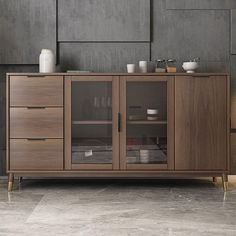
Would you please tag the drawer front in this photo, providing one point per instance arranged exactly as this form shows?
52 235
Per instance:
36 91
36 154
39 123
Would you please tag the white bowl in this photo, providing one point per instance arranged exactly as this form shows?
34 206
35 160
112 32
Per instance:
190 67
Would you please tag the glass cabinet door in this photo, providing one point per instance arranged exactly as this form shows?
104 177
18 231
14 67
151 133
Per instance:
92 129
145 134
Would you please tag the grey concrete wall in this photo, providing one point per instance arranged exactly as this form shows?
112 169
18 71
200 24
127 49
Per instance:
26 26
104 35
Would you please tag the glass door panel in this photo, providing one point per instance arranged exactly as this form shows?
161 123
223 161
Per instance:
92 144
146 122
91 101
91 124
146 144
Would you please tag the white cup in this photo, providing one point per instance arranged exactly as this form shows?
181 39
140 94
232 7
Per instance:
143 66
144 156
130 68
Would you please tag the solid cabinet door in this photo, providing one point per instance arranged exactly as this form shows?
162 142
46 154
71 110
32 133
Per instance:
91 133
146 138
201 123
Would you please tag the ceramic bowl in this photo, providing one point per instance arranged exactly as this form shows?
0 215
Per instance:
190 67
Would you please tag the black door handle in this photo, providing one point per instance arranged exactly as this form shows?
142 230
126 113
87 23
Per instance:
119 122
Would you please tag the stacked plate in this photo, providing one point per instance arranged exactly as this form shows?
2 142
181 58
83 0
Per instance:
152 114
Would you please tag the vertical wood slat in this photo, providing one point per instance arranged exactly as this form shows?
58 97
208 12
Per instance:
171 123
7 124
115 134
67 123
123 82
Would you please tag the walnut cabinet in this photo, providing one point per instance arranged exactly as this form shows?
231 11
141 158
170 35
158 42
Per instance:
117 125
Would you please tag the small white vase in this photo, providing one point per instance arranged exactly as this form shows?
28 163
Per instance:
46 61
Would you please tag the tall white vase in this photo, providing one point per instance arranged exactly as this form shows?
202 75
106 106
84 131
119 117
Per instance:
47 61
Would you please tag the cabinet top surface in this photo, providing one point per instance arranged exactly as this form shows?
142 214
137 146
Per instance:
116 74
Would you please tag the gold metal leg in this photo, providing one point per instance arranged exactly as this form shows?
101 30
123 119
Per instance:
225 182
10 182
20 179
214 179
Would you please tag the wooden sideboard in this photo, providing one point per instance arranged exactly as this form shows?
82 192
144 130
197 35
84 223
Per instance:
97 125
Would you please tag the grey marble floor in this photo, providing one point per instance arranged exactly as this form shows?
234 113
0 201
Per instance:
118 207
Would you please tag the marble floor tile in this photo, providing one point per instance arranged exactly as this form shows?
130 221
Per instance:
118 208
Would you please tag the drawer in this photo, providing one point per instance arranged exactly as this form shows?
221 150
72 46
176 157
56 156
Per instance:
36 154
36 123
36 91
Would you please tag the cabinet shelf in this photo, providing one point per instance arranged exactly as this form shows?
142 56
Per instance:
147 122
92 122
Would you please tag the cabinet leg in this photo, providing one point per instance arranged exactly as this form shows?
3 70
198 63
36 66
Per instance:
214 179
225 182
20 179
10 182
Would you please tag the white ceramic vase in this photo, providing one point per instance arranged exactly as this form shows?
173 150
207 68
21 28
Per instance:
46 61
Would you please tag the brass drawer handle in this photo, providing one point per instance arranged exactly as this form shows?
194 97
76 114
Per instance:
33 107
36 139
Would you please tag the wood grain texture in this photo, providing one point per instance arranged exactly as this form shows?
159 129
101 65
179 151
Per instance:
104 20
201 123
83 167
23 32
119 174
2 115
36 154
36 123
200 4
115 133
194 35
102 57
67 123
36 91
233 91
233 154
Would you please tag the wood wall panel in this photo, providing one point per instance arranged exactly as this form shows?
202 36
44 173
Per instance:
104 20
26 26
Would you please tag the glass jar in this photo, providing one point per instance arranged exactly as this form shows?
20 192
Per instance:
160 66
171 66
